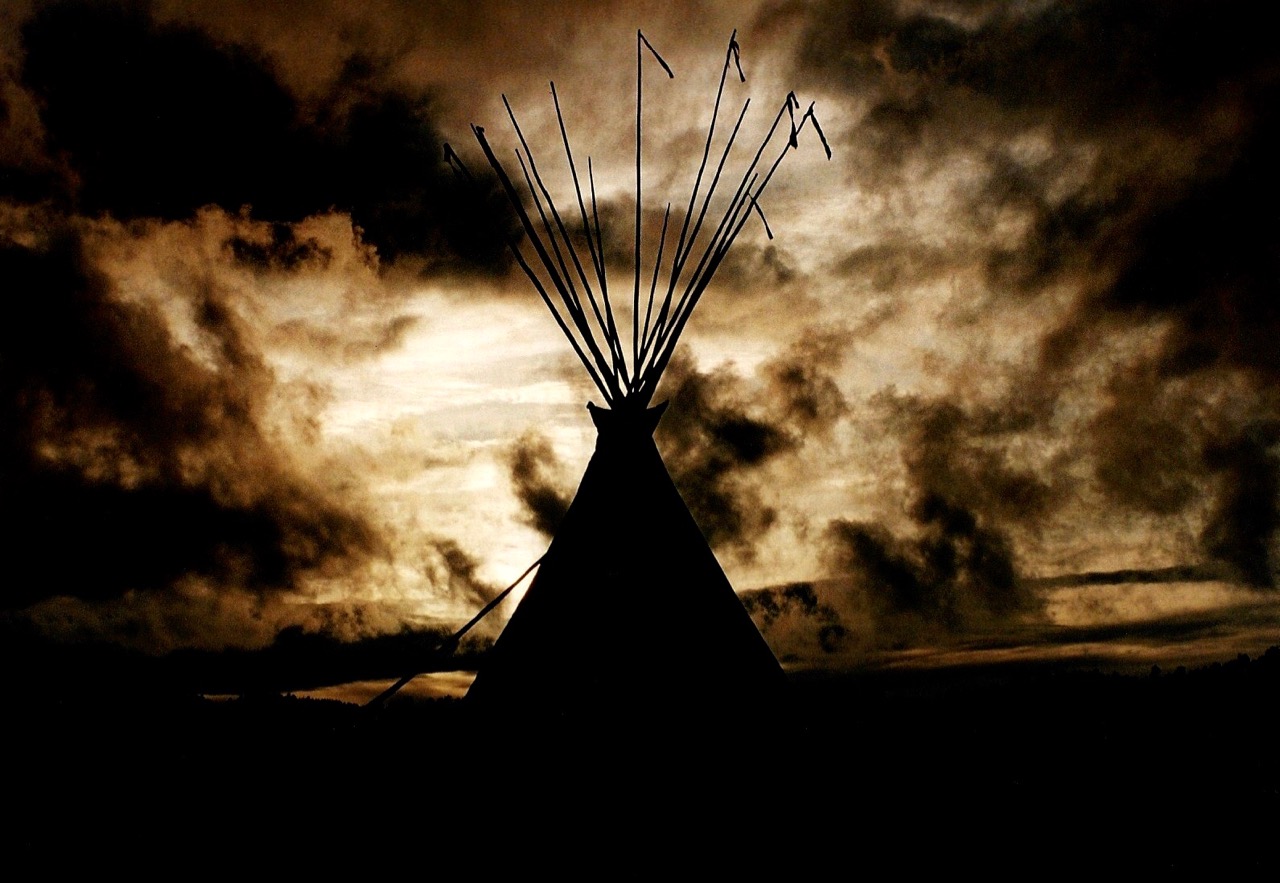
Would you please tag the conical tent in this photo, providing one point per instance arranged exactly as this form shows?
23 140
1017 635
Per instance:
630 612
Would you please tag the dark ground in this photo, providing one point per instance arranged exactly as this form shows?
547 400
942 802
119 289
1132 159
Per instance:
1029 772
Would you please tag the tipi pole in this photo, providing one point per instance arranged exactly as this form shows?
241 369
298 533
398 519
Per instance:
604 287
577 312
573 341
699 280
735 227
653 338
597 258
653 285
613 393
569 296
635 309
455 162
678 262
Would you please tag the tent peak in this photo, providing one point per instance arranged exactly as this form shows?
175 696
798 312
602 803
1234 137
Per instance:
626 419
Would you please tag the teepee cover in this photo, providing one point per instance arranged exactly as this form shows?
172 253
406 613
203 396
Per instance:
630 612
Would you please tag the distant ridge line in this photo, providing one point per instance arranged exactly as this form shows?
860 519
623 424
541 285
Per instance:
1183 573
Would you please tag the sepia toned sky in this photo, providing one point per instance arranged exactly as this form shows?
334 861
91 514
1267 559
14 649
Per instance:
1004 384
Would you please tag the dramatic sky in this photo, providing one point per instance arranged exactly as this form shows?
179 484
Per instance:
1003 385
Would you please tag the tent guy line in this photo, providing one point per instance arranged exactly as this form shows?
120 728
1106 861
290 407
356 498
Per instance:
446 647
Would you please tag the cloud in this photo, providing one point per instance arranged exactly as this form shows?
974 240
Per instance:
722 433
1114 156
1058 212
800 383
952 571
537 476
794 617
896 262
710 443
381 336
148 462
1244 519
952 564
170 484
196 613
157 120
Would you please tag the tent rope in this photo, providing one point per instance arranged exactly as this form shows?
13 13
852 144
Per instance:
447 646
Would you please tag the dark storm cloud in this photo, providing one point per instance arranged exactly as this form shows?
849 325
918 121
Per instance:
952 570
1176 100
130 463
710 443
1146 453
25 174
1203 261
752 267
1092 66
961 454
150 495
1245 516
1179 574
539 484
1161 448
771 608
896 262
351 343
800 386
456 573
157 120
1203 634
721 432
955 565
1209 261
1149 187
749 267
1205 266
281 251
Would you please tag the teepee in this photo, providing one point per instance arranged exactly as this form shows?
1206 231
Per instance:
630 613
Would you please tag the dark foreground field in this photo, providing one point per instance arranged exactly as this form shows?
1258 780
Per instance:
1029 772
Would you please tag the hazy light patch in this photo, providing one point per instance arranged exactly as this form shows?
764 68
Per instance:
460 356
1136 541
1118 654
856 208
1136 602
744 354
1226 621
435 685
1032 146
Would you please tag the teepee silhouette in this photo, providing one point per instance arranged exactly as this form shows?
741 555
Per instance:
630 612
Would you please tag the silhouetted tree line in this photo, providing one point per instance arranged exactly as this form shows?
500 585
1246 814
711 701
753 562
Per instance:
297 660
1029 769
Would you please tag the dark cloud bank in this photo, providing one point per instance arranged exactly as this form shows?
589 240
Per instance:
132 462
539 483
137 467
132 467
150 120
151 500
1169 229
